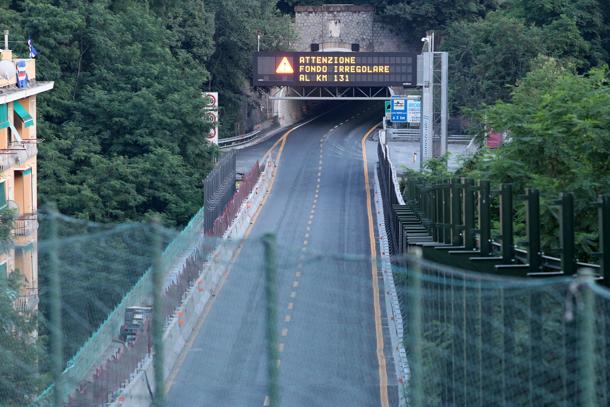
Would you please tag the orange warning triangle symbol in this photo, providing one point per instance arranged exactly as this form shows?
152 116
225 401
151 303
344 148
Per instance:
284 66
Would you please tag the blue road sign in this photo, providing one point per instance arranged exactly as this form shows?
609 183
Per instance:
414 110
399 109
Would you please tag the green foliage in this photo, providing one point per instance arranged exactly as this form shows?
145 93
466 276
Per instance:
415 17
558 124
435 170
237 25
564 18
126 109
490 54
20 347
7 222
487 55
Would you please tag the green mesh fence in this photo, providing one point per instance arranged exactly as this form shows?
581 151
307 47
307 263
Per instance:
256 322
476 339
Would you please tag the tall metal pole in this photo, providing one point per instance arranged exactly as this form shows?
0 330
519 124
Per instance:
426 148
271 320
55 314
444 99
157 317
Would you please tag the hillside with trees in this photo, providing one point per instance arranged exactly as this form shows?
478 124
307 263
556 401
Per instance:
123 134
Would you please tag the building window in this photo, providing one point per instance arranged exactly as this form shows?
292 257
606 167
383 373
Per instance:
22 118
2 194
3 271
4 116
23 191
4 126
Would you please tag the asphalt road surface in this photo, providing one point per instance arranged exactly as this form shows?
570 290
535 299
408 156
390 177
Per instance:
325 325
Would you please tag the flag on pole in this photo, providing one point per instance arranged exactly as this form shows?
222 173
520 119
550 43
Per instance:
33 51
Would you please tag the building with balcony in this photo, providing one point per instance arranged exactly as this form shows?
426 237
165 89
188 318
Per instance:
18 188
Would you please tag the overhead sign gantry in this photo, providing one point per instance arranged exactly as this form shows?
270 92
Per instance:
335 69
361 75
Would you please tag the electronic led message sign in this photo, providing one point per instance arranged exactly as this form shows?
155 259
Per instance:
334 68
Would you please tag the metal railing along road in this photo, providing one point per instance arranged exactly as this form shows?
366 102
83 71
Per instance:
510 326
218 188
237 140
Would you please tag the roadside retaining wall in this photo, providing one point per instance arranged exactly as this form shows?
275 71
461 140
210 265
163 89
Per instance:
186 319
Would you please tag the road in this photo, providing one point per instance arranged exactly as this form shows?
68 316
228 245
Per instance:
326 322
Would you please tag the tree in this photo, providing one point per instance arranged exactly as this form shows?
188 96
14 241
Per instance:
488 55
415 17
19 346
128 82
559 141
237 24
585 17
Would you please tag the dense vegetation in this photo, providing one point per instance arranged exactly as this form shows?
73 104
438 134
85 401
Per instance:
123 130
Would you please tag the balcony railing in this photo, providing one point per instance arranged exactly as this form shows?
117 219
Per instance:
26 224
28 301
17 153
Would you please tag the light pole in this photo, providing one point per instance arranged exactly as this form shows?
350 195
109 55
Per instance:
427 131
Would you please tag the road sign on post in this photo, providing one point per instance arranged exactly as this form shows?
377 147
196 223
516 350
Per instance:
399 109
211 115
388 109
413 109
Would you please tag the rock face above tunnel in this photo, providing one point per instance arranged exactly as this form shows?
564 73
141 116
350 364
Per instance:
343 27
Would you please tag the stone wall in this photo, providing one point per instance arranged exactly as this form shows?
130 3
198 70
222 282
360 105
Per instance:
334 26
338 26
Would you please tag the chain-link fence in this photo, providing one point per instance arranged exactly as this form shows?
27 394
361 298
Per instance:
287 326
476 339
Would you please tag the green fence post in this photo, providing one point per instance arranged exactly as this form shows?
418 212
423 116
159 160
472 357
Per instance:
456 216
508 346
269 244
469 243
568 248
485 218
506 223
432 209
157 316
603 211
588 397
532 220
415 334
447 227
57 356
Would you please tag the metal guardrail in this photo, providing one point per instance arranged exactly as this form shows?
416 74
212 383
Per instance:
237 140
414 135
245 138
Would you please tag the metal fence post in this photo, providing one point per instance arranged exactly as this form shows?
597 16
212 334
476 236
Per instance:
269 244
456 216
587 346
568 248
55 310
506 223
533 230
415 334
468 234
447 213
485 218
603 211
157 316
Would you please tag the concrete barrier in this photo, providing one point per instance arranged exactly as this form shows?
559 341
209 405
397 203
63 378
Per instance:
185 321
